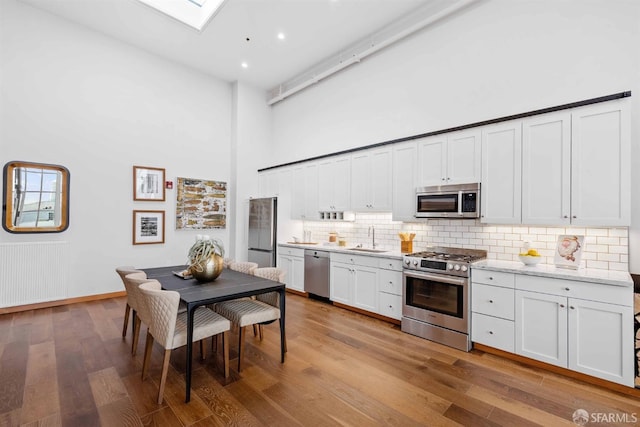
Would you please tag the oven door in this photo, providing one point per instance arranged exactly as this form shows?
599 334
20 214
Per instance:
437 299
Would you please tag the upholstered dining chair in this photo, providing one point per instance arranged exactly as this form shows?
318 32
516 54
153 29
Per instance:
131 303
169 328
272 298
246 311
140 315
243 267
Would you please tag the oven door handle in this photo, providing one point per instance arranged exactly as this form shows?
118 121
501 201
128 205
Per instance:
437 278
460 203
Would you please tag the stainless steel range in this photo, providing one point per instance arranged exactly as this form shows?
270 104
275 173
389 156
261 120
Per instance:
436 295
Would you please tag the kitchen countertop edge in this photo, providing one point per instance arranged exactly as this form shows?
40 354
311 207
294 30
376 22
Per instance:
607 277
329 248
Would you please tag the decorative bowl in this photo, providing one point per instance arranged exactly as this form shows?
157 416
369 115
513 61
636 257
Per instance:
530 260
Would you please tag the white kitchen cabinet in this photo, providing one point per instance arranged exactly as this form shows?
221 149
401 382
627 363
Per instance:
600 164
341 283
334 176
304 202
390 288
353 281
493 309
269 183
291 260
576 167
365 288
546 169
371 180
451 158
586 327
404 181
599 340
541 327
501 173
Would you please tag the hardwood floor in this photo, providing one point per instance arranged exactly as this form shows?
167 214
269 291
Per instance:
69 366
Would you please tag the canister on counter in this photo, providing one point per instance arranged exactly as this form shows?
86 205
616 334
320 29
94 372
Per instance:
333 237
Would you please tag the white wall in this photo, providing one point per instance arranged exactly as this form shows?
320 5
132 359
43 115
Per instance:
251 151
498 58
73 97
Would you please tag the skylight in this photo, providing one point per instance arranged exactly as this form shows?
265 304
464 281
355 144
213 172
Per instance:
194 13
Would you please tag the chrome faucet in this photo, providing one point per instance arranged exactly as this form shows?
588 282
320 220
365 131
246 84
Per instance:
372 233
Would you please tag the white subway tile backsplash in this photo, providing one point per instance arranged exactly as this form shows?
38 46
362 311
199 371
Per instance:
605 248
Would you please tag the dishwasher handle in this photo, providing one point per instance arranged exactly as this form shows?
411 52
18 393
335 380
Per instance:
316 254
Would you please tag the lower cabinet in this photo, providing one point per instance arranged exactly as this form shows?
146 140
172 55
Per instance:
390 288
373 284
583 326
492 309
353 281
591 337
291 260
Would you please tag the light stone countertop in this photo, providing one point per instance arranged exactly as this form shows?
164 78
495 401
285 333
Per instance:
606 277
395 254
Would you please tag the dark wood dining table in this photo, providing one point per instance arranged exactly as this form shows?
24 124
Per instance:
229 285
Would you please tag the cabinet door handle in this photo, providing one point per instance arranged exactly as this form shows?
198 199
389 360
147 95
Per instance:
575 216
491 301
561 305
490 278
566 216
572 307
567 289
490 332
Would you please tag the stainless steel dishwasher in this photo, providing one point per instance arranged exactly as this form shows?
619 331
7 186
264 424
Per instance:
316 273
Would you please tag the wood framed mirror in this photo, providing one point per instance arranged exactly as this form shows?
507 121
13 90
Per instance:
35 198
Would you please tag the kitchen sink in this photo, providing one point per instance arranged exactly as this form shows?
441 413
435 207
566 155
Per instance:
368 250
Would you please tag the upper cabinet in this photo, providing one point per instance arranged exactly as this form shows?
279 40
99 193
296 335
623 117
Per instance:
575 167
404 179
304 197
501 173
371 180
600 165
546 169
452 158
334 175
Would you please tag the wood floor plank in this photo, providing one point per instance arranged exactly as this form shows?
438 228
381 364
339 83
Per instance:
163 417
40 401
107 386
518 408
13 371
226 409
119 413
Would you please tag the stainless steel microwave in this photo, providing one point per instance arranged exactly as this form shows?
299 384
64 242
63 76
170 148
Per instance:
448 201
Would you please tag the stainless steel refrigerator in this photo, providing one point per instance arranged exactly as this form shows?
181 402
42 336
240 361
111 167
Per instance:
263 214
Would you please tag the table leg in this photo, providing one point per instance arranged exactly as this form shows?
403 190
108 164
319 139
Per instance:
190 313
282 323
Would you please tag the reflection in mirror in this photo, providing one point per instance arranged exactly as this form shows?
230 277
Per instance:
36 198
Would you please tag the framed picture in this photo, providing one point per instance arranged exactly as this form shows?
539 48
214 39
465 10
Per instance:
148 184
569 251
148 227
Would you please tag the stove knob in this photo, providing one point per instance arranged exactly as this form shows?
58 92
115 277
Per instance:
407 261
415 262
464 268
450 266
457 267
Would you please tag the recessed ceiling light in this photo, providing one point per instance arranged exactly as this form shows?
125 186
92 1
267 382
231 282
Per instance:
244 65
281 36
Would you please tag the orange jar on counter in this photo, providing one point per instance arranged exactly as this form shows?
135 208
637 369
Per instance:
333 237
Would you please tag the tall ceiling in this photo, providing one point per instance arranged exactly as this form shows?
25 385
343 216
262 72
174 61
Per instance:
243 31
